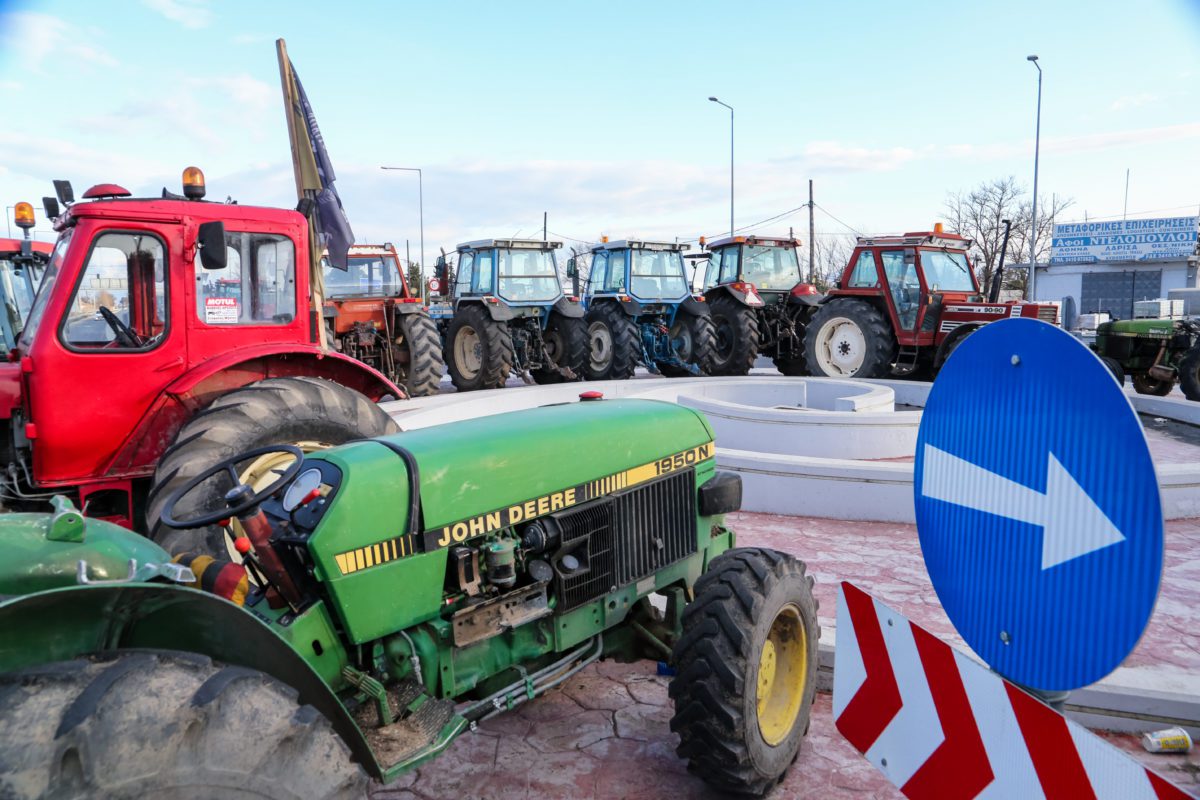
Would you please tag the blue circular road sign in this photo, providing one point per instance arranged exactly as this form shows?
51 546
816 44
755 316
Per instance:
1037 506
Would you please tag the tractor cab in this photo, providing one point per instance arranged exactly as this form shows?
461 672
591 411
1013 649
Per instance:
371 271
22 264
765 269
901 306
518 272
650 272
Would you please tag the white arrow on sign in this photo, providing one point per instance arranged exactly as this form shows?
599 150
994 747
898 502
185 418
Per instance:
1072 524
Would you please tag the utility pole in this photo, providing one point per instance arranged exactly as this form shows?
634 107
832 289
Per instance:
544 226
812 238
1125 212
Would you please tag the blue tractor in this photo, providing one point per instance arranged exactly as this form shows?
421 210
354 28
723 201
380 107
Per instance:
640 309
509 314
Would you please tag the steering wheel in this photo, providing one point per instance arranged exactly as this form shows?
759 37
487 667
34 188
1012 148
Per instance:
236 506
125 334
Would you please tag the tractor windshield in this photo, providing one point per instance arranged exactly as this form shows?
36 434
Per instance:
528 276
17 292
947 271
46 288
770 267
657 274
365 276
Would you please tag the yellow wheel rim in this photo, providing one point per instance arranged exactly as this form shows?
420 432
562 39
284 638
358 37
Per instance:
258 475
782 675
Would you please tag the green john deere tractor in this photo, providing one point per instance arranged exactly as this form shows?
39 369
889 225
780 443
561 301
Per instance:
390 600
1154 353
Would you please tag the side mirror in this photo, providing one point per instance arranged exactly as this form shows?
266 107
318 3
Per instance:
51 207
572 268
210 241
66 195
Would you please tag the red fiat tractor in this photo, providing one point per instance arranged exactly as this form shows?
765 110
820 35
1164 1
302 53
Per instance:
22 262
167 335
901 306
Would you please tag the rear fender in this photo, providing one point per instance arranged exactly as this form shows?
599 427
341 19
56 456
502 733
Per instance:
952 340
566 307
630 306
405 309
500 312
725 289
194 390
77 621
694 307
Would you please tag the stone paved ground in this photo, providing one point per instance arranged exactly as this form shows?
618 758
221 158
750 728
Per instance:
605 734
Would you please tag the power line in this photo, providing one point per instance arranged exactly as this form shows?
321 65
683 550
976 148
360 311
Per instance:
824 210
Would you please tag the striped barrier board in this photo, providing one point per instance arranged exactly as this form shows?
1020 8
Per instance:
940 725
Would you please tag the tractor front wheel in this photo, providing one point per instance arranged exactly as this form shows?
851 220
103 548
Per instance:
1143 383
1114 366
849 338
164 724
310 413
746 668
566 340
422 375
614 344
479 350
737 336
1189 375
694 341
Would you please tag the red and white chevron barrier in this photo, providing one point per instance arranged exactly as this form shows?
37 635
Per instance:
940 725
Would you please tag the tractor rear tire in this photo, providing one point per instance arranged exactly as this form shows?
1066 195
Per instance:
566 340
1144 384
423 375
737 336
1115 368
479 350
849 338
165 724
795 366
698 344
1189 375
309 412
614 344
746 670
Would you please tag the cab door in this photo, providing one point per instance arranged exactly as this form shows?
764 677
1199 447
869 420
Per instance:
107 343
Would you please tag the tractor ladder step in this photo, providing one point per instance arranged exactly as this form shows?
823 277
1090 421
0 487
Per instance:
420 723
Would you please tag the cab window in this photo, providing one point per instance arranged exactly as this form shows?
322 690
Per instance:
482 283
615 280
598 271
712 271
462 283
900 267
729 264
120 302
865 275
257 285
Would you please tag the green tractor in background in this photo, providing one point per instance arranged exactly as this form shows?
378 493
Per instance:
389 601
1154 353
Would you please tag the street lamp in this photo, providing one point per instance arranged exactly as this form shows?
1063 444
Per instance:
421 213
1031 284
8 219
718 102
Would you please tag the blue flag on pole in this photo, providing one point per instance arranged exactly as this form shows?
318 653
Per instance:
332 224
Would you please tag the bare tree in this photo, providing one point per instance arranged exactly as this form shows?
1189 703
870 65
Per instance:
979 215
832 254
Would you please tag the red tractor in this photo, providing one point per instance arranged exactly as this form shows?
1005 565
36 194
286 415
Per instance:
22 262
372 316
902 305
167 335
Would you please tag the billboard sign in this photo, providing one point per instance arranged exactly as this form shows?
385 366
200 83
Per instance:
1124 240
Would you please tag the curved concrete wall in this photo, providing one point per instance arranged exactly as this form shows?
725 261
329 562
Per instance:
815 447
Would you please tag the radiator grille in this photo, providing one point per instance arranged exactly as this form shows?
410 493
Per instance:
1048 314
628 537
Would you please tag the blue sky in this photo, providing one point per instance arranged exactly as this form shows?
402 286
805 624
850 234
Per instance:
597 113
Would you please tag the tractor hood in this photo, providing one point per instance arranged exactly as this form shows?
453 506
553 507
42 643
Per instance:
43 551
1138 327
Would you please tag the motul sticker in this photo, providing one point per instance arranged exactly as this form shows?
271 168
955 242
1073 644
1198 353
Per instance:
221 310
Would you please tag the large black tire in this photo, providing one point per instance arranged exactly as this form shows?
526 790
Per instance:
479 350
1115 368
1144 384
422 376
791 365
614 344
737 337
849 338
566 340
163 724
697 338
1189 375
732 738
274 411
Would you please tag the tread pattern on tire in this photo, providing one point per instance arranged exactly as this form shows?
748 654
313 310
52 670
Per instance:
425 362
626 340
496 347
709 688
574 333
1189 374
744 327
272 411
128 725
877 333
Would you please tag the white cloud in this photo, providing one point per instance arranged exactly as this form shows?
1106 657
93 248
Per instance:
188 13
830 156
35 38
1133 101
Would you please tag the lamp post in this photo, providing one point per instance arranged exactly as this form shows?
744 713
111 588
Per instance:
421 217
8 219
718 102
1031 284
